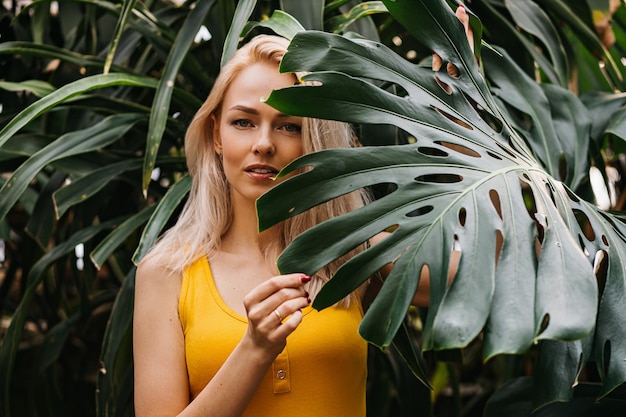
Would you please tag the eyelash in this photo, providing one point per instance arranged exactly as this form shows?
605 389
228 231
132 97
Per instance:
289 127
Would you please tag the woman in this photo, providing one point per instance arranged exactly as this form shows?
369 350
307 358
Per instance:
217 331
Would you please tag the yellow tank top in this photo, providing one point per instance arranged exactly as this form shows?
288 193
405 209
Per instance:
321 372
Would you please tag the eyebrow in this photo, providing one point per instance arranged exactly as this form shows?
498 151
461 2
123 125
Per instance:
251 110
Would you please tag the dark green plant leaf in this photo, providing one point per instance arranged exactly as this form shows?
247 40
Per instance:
107 131
161 216
161 104
338 24
114 393
468 178
514 399
37 87
85 187
534 20
68 92
280 22
309 13
127 9
118 236
11 340
242 14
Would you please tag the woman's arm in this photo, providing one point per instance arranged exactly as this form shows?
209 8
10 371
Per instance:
161 380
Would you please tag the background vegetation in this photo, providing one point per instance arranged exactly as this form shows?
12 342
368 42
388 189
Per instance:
95 99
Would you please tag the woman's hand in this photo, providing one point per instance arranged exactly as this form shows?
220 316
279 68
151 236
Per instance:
274 311
462 15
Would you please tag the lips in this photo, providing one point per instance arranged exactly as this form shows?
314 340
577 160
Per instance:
261 172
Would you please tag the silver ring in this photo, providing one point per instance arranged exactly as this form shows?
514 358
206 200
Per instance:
278 316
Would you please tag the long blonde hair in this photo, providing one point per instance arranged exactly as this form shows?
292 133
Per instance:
207 213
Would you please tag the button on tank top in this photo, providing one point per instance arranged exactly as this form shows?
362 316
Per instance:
321 372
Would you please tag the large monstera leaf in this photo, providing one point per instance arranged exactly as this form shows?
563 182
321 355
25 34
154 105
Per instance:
488 173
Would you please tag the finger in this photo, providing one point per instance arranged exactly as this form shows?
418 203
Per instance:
275 284
286 309
462 15
289 325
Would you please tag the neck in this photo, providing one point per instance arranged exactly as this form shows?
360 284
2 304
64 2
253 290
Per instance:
243 234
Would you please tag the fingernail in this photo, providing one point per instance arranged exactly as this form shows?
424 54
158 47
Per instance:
306 294
308 300
305 278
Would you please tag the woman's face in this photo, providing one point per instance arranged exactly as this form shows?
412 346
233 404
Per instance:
255 140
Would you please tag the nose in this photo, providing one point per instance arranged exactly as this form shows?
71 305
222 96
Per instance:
264 143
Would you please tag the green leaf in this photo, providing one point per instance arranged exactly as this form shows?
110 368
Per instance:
161 103
85 187
68 92
54 52
37 87
114 383
242 14
100 135
11 340
161 216
534 20
467 178
127 9
118 236
280 22
338 24
554 151
309 13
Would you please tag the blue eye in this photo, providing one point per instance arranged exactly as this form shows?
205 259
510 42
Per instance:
291 128
241 123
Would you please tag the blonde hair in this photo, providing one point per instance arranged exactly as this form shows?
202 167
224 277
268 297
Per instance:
207 213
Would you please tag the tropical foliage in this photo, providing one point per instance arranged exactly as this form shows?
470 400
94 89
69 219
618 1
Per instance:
489 155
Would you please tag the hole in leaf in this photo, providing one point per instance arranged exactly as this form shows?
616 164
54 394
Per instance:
492 121
437 62
582 245
462 216
545 322
612 223
495 200
493 155
511 154
585 224
454 119
550 192
459 148
600 270
563 168
606 357
427 150
453 70
445 87
529 198
512 144
605 240
455 257
499 244
540 232
439 178
571 195
420 211
537 247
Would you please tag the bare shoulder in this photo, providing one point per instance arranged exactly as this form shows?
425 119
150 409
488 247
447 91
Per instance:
156 285
152 274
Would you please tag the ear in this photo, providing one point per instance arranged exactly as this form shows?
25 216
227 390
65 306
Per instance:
217 140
